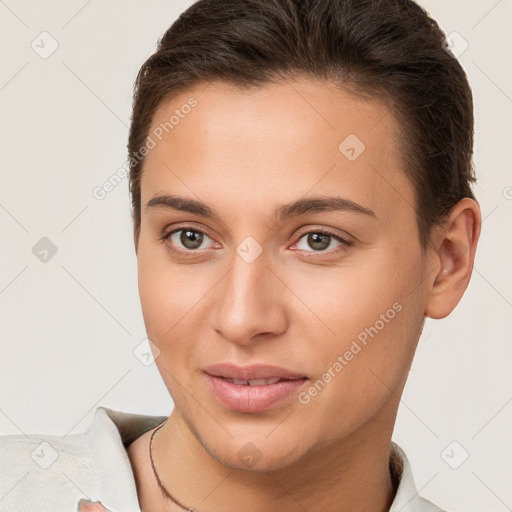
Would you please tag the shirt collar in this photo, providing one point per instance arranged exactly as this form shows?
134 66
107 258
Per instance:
111 431
107 437
406 497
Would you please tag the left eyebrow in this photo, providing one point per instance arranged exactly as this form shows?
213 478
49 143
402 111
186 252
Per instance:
284 211
320 204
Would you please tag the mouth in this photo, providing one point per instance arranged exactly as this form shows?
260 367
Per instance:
254 388
251 373
256 382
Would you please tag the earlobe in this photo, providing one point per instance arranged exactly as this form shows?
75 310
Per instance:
453 257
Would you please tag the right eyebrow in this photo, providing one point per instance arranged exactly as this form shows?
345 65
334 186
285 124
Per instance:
182 204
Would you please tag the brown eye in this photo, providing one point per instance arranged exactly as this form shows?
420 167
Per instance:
319 241
191 239
188 239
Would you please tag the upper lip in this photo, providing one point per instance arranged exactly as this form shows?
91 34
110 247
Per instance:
251 372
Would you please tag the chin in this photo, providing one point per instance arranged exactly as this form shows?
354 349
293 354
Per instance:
256 453
251 458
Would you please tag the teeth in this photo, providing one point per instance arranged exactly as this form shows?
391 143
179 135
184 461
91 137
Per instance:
262 382
240 382
254 382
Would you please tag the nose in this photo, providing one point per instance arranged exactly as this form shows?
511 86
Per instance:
250 302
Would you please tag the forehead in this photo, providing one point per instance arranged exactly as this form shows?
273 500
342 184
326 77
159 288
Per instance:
277 141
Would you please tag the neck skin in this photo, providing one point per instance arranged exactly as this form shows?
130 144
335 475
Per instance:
352 474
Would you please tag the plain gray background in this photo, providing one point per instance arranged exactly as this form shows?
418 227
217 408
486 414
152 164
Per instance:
70 325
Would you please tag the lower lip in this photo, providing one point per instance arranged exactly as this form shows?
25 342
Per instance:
252 398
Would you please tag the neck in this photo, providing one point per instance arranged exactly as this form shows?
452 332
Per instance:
351 474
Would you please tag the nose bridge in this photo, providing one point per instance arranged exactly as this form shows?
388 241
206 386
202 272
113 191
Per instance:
248 303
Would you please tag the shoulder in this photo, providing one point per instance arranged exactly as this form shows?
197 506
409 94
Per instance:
35 469
52 473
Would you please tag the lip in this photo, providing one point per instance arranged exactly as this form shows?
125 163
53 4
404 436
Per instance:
251 372
252 399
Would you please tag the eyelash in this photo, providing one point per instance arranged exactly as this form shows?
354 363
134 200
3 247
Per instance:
345 244
182 252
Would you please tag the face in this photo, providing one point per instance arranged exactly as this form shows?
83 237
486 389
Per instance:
293 244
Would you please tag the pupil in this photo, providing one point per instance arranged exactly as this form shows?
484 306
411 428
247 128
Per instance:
191 239
318 241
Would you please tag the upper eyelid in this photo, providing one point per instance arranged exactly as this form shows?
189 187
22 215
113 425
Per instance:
328 231
189 227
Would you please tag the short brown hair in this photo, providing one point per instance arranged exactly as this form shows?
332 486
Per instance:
390 49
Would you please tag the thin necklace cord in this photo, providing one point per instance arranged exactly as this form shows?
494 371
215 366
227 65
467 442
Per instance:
160 483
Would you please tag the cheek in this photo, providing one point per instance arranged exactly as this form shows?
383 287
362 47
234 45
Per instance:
373 317
172 297
166 292
347 299
358 323
165 300
360 372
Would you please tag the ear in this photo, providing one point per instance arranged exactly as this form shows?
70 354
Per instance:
452 255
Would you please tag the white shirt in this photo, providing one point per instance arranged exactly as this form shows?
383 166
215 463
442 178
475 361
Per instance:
40 473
